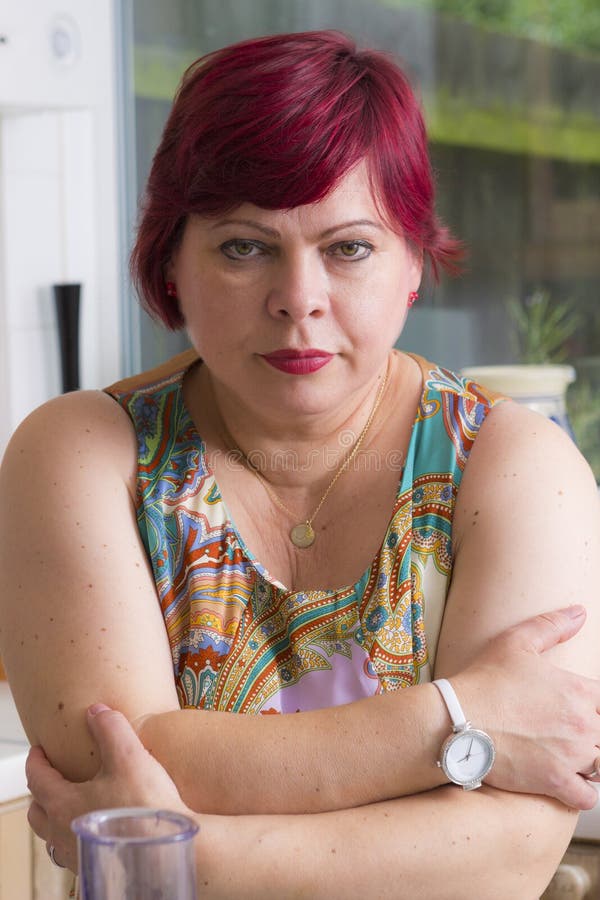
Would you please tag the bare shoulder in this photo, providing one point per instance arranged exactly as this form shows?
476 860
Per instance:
526 536
74 429
523 461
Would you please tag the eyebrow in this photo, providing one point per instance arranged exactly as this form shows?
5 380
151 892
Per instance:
272 232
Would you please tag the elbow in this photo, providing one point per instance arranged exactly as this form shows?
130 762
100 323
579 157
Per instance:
537 833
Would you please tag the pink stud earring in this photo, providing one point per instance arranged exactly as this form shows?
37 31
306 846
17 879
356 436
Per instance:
171 289
412 298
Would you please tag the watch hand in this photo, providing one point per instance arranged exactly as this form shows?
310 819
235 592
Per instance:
468 754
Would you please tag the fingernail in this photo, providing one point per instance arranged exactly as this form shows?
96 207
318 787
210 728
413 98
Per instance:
575 611
97 708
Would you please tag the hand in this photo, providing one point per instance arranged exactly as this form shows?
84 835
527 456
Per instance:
544 720
128 776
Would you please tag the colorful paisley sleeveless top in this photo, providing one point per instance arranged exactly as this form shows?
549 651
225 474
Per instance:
240 640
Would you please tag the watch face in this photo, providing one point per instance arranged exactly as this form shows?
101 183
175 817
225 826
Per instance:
468 756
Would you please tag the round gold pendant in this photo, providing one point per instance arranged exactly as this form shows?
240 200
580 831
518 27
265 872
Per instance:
302 535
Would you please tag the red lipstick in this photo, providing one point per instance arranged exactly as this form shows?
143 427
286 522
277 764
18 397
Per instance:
298 362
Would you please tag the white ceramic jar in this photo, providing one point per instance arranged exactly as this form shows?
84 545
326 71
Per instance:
540 387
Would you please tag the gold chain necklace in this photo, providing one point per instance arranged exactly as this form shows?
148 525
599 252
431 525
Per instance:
303 534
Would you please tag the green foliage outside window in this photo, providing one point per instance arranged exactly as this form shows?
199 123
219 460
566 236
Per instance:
568 23
543 327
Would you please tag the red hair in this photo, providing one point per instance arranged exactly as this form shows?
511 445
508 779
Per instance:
277 122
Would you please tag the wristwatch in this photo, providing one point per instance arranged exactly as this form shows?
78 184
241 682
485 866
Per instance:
468 754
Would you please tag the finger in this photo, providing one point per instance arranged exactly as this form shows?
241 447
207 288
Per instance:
42 779
117 741
578 793
542 632
35 755
38 820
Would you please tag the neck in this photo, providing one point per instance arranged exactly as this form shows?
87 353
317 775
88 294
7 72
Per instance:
305 453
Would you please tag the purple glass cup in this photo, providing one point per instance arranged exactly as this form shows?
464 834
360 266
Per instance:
136 854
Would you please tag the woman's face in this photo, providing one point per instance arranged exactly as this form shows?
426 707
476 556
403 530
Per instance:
329 281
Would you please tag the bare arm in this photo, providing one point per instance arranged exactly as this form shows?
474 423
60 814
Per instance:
527 540
443 844
490 845
73 560
340 757
79 616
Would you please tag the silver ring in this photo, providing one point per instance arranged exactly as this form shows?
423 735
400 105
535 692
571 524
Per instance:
595 773
51 850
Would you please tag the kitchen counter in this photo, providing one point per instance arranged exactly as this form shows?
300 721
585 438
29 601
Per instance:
13 749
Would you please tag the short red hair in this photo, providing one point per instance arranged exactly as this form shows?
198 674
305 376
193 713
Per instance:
277 121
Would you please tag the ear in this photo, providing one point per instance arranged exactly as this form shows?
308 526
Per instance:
415 264
170 266
169 270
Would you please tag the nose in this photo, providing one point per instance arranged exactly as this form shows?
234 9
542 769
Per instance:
299 288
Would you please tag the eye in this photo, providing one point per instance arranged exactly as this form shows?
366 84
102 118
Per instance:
352 250
238 248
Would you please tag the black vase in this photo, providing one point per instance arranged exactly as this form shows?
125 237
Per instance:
66 299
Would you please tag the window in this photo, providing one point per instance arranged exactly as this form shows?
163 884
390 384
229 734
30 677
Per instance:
510 90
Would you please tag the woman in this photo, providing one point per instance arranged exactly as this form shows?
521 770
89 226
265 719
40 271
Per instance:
288 218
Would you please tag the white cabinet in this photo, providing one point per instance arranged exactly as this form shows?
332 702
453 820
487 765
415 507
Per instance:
26 872
16 868
59 202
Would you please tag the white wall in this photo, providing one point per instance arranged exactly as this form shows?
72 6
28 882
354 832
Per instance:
58 195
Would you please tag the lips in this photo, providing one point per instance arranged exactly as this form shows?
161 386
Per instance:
298 362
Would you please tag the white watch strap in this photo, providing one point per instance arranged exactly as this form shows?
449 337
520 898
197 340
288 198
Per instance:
451 700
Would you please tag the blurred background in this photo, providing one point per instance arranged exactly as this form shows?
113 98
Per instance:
511 92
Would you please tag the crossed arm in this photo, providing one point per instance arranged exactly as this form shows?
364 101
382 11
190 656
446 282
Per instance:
76 562
418 847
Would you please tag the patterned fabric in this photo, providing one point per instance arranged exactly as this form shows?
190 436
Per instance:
240 640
